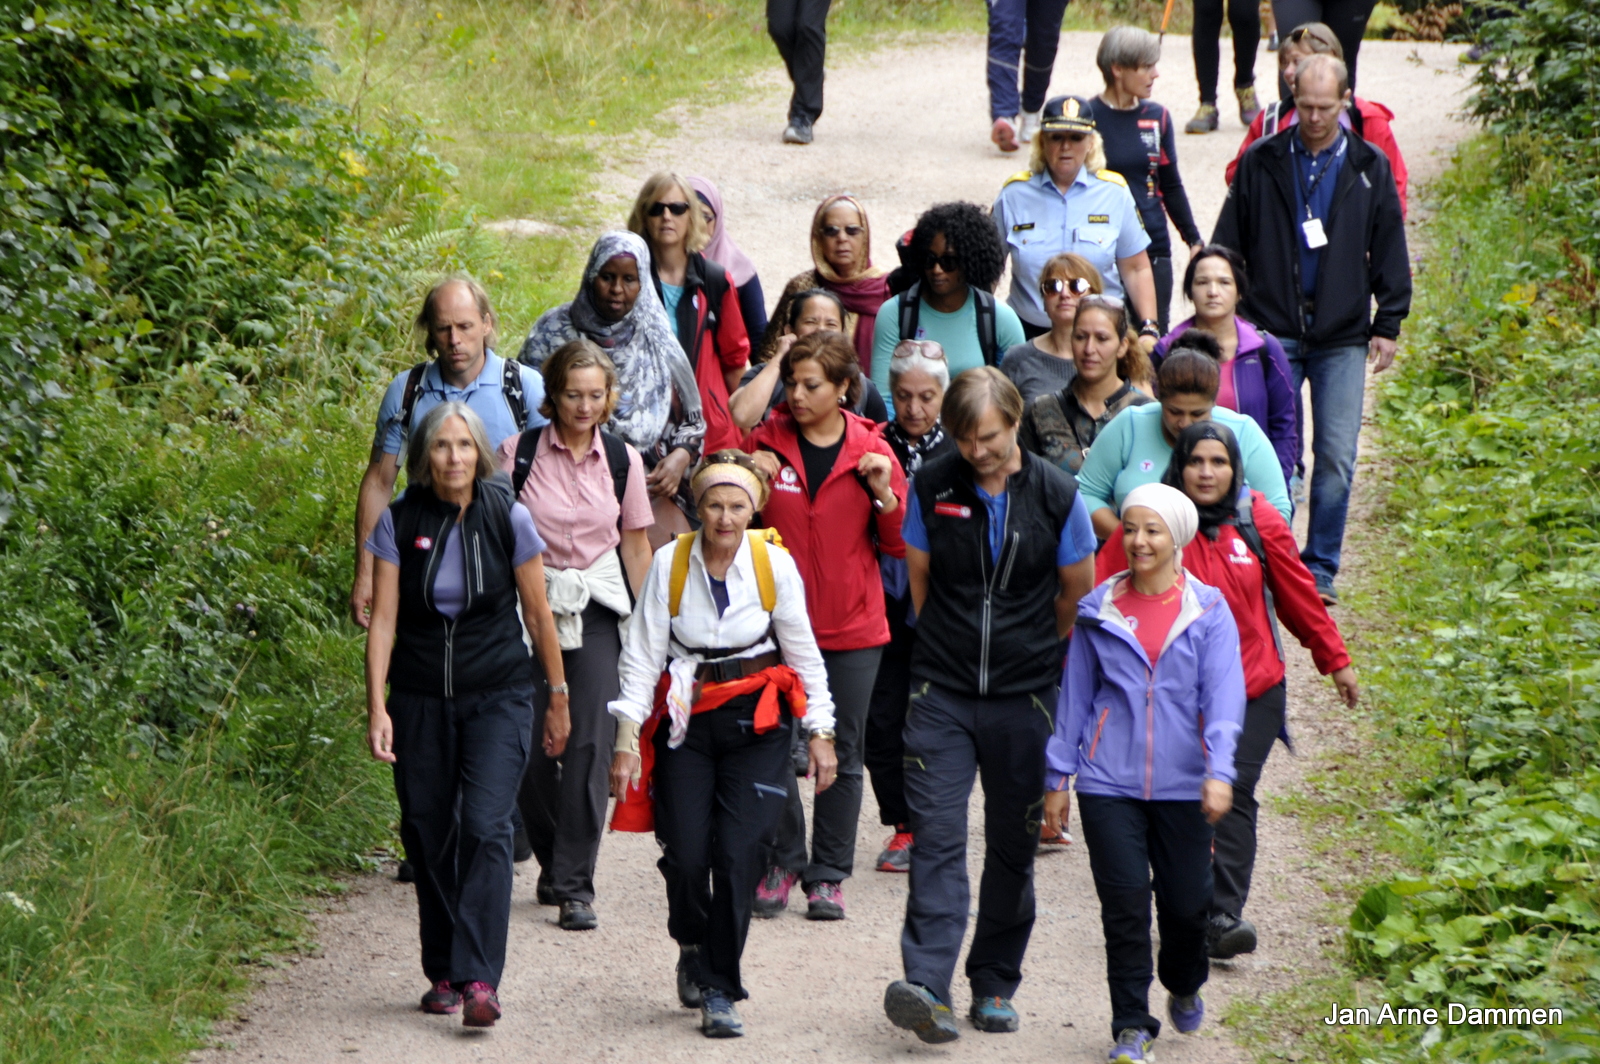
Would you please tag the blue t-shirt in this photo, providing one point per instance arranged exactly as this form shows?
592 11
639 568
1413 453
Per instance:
450 585
671 296
1317 174
1077 535
485 396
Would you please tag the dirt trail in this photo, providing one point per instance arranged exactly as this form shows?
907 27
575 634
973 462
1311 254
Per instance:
898 137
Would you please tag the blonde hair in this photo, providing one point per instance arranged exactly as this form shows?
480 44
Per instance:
698 235
424 319
574 355
1094 163
419 470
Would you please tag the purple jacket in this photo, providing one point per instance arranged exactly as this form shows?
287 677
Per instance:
1262 387
1128 731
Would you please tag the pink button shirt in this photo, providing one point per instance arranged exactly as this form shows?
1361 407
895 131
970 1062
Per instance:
574 503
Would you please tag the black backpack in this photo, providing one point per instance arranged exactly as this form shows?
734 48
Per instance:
988 341
1244 520
616 459
510 387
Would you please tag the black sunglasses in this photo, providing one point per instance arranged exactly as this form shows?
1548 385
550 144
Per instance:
678 209
946 262
1075 138
848 230
1060 285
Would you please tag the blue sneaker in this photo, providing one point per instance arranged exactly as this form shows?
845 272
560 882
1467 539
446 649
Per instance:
1186 1013
914 1008
993 1014
718 1017
1133 1047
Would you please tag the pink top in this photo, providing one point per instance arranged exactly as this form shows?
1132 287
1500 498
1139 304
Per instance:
574 503
1227 395
1150 616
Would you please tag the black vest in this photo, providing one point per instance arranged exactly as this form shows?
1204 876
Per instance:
481 649
988 627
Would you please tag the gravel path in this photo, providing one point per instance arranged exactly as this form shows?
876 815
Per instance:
896 137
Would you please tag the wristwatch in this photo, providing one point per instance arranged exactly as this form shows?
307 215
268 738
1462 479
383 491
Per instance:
558 688
1149 327
824 733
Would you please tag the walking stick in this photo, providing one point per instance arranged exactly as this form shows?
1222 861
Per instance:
1166 17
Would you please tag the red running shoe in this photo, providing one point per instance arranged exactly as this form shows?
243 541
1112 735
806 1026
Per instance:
480 1005
1050 838
442 1000
896 855
1004 134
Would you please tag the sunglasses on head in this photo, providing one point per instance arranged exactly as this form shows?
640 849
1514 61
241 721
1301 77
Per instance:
946 262
678 209
848 230
1056 286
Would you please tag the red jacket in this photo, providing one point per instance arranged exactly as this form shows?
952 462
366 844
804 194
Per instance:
1374 129
844 590
713 344
1228 564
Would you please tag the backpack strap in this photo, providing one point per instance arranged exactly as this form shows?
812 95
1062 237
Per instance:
617 461
765 582
511 388
988 331
408 403
527 446
1245 521
910 306
680 572
716 291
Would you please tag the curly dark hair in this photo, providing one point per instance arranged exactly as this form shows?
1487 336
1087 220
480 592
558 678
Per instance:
970 235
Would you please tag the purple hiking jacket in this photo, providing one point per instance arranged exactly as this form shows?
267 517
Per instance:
1129 732
1262 386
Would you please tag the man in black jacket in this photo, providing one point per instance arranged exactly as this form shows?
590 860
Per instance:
999 550
1315 213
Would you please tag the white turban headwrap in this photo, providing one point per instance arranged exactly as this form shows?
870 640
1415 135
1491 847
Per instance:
1172 506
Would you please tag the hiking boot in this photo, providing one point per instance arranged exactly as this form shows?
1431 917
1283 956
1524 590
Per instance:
993 1015
480 1005
545 890
1249 107
521 848
825 901
577 916
405 872
1133 1047
689 995
1004 134
442 1000
718 1017
1186 1012
772 893
798 131
1228 936
1030 125
1049 839
914 1008
1205 120
896 855
1327 594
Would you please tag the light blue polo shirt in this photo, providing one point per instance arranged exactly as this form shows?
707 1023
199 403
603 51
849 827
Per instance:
484 396
1096 218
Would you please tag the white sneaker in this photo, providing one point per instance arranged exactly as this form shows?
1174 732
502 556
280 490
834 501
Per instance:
1030 125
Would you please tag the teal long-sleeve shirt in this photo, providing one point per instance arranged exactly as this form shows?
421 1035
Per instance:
1132 450
957 333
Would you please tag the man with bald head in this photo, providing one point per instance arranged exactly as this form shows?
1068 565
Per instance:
1315 213
457 326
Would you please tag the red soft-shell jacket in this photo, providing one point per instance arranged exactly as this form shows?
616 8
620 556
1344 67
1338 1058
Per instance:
727 346
1228 564
830 537
1375 130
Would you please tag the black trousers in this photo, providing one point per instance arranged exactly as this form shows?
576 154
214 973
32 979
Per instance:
1347 19
886 717
800 30
1244 18
950 738
458 762
836 810
718 798
1235 855
563 799
1132 843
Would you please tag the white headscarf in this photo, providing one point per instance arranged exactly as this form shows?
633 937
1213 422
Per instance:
1174 508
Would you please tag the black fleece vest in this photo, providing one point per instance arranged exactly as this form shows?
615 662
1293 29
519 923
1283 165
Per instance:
988 627
481 649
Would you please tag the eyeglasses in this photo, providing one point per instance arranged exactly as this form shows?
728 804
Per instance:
831 231
946 262
1056 286
678 209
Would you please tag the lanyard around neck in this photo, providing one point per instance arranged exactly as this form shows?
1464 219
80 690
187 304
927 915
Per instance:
1308 189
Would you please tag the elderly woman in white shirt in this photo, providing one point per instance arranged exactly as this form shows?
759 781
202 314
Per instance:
720 655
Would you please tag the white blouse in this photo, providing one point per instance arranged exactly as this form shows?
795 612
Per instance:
655 638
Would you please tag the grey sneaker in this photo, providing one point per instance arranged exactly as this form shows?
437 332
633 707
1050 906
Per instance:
798 131
577 916
718 1017
1133 1047
1249 106
1205 120
914 1008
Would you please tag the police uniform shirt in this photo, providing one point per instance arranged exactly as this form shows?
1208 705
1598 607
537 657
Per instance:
485 395
1096 219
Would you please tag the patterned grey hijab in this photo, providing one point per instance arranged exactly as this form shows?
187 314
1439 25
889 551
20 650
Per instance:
659 408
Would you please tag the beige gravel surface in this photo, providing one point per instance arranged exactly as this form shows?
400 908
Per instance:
906 126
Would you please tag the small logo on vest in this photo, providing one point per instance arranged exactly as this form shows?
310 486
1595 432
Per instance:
423 543
788 480
951 509
1146 465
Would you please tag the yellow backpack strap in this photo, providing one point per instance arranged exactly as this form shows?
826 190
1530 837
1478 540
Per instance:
763 563
680 572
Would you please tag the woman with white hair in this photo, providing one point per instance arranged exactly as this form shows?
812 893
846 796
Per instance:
919 375
1069 200
456 556
1151 706
1136 136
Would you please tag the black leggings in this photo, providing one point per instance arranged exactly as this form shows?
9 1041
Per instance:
1347 19
1245 19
